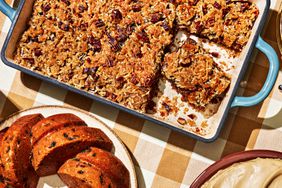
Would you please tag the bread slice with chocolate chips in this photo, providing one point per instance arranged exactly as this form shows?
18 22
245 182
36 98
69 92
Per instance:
54 123
107 163
77 173
15 153
50 152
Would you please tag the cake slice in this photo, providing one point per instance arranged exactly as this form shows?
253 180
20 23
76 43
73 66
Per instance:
107 163
194 74
228 23
76 173
50 152
54 123
15 152
115 55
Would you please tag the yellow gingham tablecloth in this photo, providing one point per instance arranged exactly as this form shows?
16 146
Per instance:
164 158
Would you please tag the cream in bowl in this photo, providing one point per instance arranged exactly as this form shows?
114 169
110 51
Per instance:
259 173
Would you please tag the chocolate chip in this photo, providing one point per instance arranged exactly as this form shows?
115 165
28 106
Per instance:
46 8
116 15
136 8
37 52
65 135
217 5
76 159
101 178
99 23
80 172
73 137
53 144
143 36
156 17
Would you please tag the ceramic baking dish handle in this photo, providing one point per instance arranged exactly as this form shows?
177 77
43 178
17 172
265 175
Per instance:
270 80
7 10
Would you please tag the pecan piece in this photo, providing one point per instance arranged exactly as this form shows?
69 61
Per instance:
116 15
143 36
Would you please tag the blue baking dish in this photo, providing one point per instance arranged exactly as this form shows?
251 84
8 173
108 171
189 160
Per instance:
20 16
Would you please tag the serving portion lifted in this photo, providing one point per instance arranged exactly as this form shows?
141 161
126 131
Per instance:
119 49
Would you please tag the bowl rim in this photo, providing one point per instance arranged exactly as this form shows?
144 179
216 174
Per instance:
231 159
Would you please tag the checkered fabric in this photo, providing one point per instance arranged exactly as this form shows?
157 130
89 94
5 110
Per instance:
164 158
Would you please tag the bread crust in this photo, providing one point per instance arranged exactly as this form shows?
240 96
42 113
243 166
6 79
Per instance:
76 173
54 123
107 163
54 149
15 152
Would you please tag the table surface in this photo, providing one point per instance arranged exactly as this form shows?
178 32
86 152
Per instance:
164 158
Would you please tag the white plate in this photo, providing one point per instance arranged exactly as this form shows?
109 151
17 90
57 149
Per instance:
119 149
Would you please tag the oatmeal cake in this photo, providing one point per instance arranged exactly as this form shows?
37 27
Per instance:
194 74
227 22
115 48
110 48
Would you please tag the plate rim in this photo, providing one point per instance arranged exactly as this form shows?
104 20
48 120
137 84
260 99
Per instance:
86 113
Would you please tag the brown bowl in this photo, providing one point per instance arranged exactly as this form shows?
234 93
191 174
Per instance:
231 159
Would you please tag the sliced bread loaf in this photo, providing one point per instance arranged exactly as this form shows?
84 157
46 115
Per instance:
76 173
51 151
15 152
107 163
54 123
